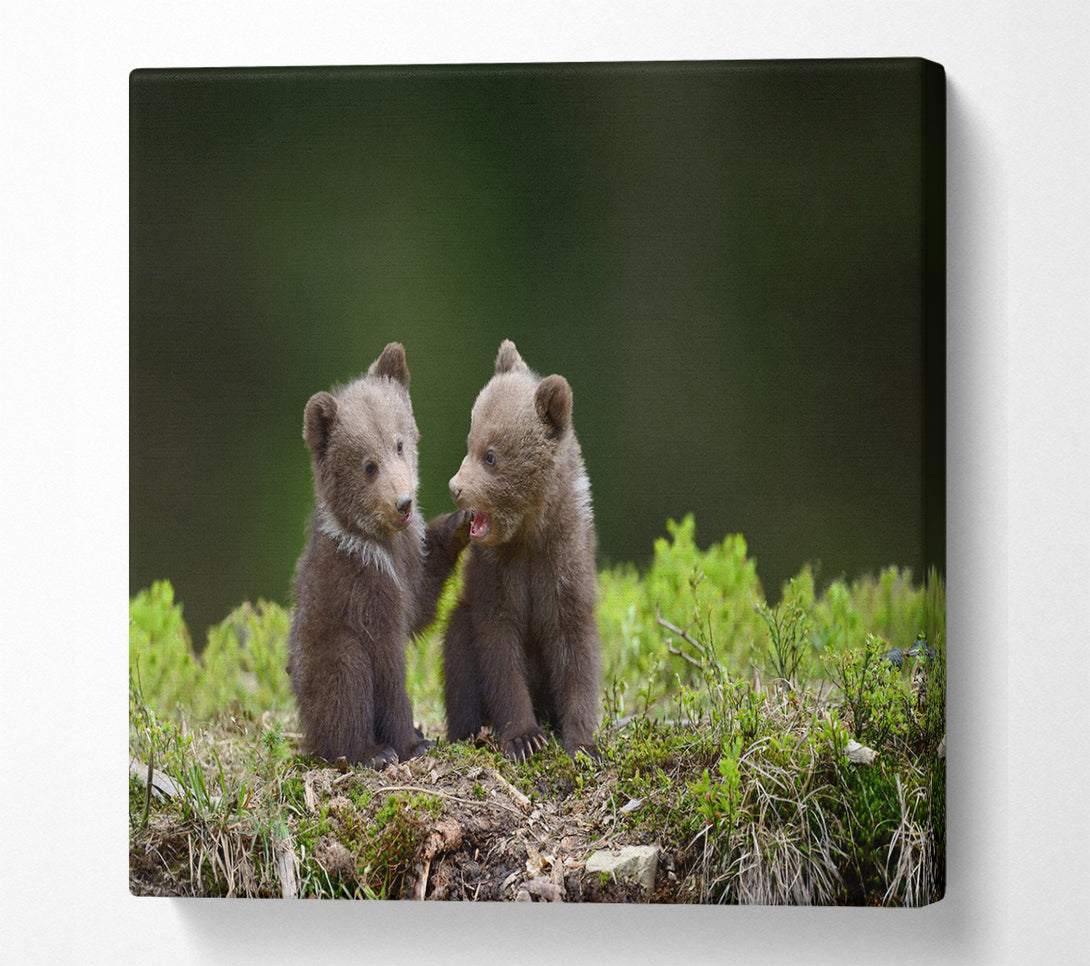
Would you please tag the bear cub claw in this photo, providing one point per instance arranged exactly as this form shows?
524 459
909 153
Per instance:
386 756
525 746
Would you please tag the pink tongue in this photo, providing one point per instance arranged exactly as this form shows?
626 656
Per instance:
479 524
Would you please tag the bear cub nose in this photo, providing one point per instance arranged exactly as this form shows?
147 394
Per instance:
404 502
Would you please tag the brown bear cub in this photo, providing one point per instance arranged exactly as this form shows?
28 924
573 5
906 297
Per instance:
371 573
522 644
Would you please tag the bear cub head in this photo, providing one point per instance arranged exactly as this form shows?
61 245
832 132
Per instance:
363 440
520 432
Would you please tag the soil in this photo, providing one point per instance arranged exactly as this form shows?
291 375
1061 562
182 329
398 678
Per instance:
492 842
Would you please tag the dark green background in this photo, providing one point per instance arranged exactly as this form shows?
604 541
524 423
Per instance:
738 267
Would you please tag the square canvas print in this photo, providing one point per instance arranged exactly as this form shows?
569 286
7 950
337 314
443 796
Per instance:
537 482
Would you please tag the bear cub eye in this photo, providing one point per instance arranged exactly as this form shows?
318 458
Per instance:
399 446
490 458
370 468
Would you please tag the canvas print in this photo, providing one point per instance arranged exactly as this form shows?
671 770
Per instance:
537 483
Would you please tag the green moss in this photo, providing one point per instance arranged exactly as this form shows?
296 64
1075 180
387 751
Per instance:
389 843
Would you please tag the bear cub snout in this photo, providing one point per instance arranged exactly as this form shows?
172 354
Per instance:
371 573
521 648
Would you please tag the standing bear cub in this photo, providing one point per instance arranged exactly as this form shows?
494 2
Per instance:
370 575
522 644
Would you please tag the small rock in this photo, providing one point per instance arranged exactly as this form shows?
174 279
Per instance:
637 863
335 858
860 754
922 649
542 888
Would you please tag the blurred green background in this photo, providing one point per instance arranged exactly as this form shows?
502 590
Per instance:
728 261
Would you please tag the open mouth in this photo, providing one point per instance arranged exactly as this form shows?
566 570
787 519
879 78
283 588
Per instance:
480 526
403 522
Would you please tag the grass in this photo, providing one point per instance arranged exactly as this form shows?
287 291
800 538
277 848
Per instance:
724 740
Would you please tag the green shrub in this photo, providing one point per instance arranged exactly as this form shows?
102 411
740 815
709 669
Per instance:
244 664
160 653
790 637
684 585
874 693
889 606
242 668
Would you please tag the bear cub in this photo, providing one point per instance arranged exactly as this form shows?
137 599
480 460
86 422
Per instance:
522 643
370 575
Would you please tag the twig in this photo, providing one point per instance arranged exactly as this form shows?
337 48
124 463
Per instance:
677 652
663 622
450 798
147 790
523 801
446 837
684 635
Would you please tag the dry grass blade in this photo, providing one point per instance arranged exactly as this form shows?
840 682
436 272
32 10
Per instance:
784 853
913 880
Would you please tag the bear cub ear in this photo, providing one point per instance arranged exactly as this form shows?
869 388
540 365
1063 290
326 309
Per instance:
318 419
392 364
509 360
553 401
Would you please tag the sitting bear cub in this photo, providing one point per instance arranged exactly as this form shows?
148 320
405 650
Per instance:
370 575
522 643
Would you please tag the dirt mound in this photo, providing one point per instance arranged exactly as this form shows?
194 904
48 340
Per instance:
446 826
478 837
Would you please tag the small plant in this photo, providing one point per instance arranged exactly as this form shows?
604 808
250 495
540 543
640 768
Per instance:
875 694
830 735
711 679
613 701
746 705
717 800
789 628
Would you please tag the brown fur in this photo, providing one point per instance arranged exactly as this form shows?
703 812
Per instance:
522 644
371 573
